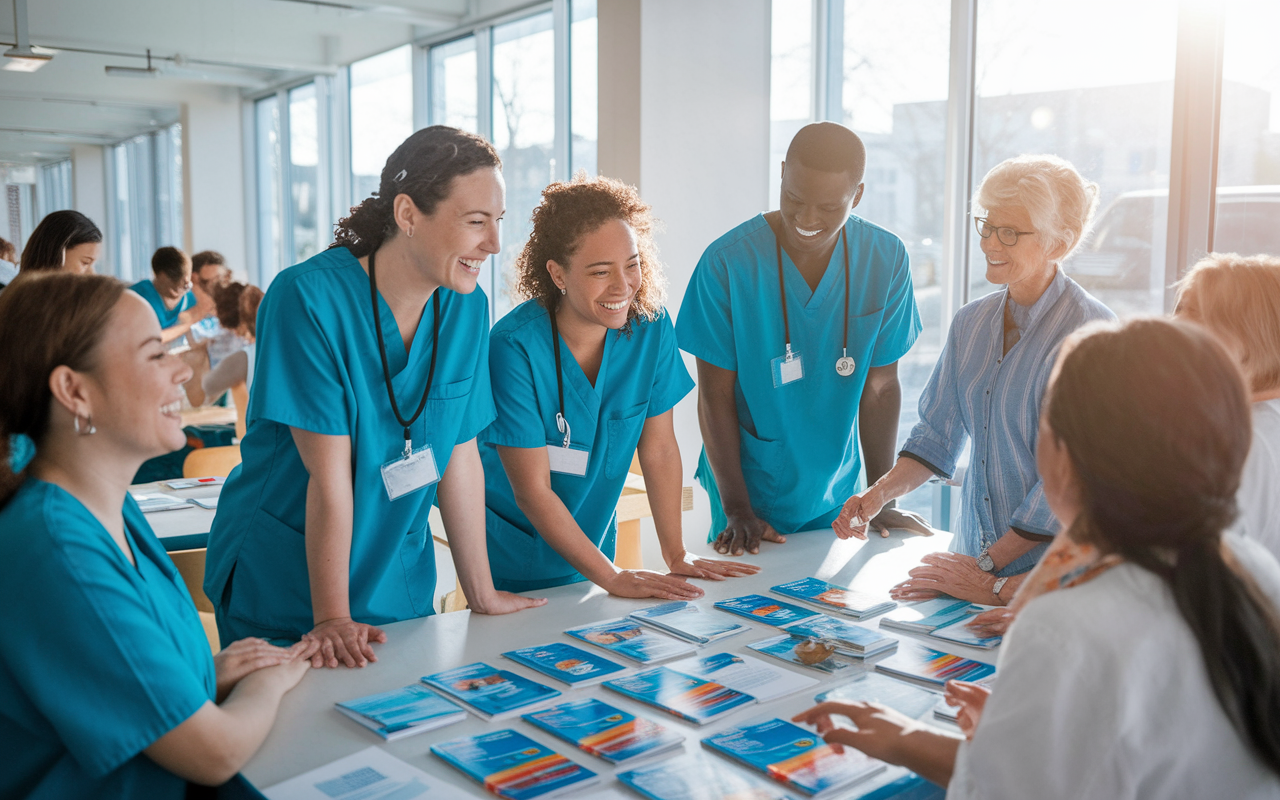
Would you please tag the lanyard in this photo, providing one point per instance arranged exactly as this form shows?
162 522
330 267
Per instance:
562 424
782 289
386 370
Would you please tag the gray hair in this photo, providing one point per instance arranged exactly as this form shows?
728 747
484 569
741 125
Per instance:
1059 200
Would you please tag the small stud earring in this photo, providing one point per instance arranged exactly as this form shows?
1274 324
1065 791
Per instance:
88 423
564 291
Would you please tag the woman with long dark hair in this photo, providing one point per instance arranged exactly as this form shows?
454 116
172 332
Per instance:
1144 661
64 240
371 383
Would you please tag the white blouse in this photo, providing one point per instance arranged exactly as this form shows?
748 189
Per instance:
1259 495
1102 692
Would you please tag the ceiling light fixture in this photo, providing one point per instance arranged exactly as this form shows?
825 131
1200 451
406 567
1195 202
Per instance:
134 72
22 56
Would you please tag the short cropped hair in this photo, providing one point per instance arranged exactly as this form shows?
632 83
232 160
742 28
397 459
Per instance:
1059 200
829 147
205 258
1238 298
169 261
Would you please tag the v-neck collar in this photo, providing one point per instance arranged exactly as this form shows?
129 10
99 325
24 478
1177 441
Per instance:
397 357
574 377
811 299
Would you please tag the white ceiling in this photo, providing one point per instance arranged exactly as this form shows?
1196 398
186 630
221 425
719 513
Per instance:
222 46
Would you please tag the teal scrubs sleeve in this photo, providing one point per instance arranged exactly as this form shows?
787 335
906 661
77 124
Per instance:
671 381
900 325
107 657
705 325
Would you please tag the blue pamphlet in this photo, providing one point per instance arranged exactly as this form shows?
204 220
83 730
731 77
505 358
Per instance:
794 756
566 663
849 639
699 778
689 698
513 766
688 621
630 639
926 615
402 712
871 687
606 732
835 598
933 668
489 692
765 609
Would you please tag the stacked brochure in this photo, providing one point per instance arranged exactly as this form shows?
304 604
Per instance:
765 609
512 765
567 663
933 668
961 633
631 640
689 698
402 712
371 774
699 778
783 647
491 693
925 616
857 641
871 687
745 674
687 621
150 503
606 732
834 598
795 757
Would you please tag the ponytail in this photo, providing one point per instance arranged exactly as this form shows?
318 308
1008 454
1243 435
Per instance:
422 167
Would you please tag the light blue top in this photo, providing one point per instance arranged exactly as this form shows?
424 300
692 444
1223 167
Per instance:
99 660
977 392
168 316
641 375
800 441
317 369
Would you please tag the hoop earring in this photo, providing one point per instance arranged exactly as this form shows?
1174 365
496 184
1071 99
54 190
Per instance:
409 232
564 291
88 422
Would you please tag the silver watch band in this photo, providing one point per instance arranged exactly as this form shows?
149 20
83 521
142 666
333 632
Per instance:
999 584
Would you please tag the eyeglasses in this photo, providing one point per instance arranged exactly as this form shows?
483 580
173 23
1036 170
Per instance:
1007 236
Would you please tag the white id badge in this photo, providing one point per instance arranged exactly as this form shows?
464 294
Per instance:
404 475
787 370
567 460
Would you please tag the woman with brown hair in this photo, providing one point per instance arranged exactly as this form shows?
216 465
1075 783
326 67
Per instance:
107 687
1145 662
64 240
585 371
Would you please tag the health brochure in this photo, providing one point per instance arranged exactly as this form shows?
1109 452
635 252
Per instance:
601 730
567 663
745 674
631 640
402 712
765 609
871 687
849 639
371 774
926 615
685 696
491 693
933 668
783 647
839 599
794 756
513 766
688 621
699 778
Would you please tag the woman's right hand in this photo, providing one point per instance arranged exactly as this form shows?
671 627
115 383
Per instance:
857 514
245 656
647 583
972 699
344 641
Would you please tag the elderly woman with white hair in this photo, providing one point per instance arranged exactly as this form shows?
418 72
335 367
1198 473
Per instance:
988 384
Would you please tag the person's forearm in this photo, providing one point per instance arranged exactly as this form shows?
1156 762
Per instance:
558 528
878 426
929 752
906 476
1009 548
174 332
718 420
461 500
328 543
230 371
663 476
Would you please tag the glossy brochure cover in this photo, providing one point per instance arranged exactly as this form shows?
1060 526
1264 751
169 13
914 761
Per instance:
688 621
926 615
567 663
835 598
783 647
849 639
631 640
872 687
960 633
933 667
699 778
745 674
604 731
689 698
491 693
402 712
794 756
765 609
512 765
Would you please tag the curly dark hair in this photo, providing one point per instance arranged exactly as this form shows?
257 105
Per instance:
568 212
226 304
423 167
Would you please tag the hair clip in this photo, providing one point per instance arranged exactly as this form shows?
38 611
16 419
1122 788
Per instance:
400 175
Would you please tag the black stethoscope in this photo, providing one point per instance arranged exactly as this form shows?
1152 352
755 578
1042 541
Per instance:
562 424
386 370
844 365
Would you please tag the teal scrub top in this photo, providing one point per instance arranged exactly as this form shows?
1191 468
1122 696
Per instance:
799 450
100 659
641 375
168 316
317 368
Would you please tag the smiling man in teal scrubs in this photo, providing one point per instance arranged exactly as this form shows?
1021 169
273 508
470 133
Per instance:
797 319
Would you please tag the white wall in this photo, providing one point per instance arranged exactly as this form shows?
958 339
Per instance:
213 177
703 147
89 181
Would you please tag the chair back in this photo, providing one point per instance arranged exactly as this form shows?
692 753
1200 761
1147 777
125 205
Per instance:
211 461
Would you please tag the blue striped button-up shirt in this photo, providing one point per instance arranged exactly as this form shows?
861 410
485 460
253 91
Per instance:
978 392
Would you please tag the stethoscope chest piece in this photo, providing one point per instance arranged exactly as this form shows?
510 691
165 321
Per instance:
845 366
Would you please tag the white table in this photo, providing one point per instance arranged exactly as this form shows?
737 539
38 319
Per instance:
184 528
310 732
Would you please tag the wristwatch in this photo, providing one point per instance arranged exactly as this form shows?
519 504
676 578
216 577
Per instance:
984 561
999 584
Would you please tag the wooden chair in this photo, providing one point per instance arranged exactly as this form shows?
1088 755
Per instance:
206 461
240 397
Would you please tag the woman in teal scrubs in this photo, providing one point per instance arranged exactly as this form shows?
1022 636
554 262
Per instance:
371 382
107 686
583 371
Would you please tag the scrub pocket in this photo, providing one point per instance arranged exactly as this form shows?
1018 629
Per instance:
269 585
761 463
624 435
418 557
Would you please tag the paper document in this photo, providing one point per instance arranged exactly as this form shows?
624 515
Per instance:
370 774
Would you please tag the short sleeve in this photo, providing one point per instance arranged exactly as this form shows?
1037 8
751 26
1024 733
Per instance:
188 301
479 412
671 380
704 328
515 400
89 655
298 380
900 325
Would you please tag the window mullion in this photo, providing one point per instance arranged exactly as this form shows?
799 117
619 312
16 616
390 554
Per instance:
958 159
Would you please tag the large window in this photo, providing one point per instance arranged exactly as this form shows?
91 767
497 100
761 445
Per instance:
304 179
53 188
453 84
144 210
584 85
269 179
381 115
